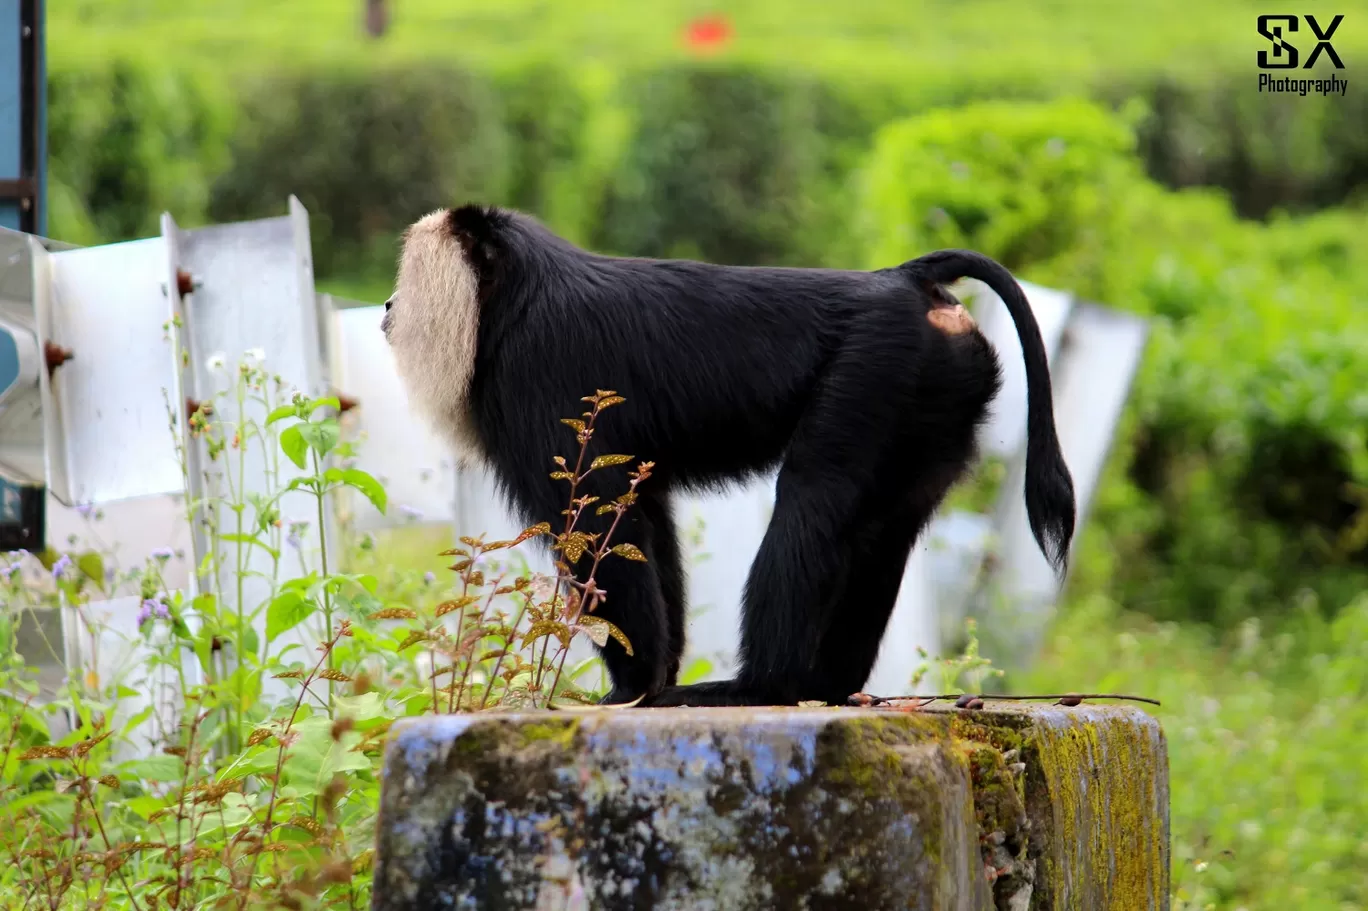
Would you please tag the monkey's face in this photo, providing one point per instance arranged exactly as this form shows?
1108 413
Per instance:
387 321
431 321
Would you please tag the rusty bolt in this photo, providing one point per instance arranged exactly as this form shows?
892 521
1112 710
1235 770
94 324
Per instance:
192 406
55 356
184 282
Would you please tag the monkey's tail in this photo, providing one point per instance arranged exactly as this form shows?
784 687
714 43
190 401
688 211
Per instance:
1050 503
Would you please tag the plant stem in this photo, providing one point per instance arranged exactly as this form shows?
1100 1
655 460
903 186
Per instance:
494 675
109 846
240 505
570 521
470 659
319 494
280 754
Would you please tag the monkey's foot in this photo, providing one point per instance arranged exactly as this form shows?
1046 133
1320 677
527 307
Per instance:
618 697
714 693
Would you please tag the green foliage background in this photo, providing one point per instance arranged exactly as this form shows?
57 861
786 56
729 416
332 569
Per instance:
1118 150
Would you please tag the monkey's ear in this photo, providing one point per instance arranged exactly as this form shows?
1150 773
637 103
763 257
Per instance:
477 228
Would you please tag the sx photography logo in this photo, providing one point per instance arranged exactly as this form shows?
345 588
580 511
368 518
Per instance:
1284 56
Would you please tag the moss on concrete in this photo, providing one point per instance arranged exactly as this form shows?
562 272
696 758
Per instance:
1023 807
1093 782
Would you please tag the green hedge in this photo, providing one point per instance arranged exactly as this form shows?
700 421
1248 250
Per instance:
1239 482
367 153
738 162
1269 151
731 165
127 143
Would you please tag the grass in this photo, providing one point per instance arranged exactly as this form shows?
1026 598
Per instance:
1267 747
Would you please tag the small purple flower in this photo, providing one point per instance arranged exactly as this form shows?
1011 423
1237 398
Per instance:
293 540
61 566
109 574
86 510
162 553
150 609
429 577
8 571
411 512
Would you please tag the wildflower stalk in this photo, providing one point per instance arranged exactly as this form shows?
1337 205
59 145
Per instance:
239 506
319 493
284 738
88 792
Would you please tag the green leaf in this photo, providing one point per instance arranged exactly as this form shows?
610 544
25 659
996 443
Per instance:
288 610
284 411
206 605
310 483
300 583
695 672
293 444
321 436
93 566
250 641
251 540
153 768
145 806
204 651
326 402
372 489
363 708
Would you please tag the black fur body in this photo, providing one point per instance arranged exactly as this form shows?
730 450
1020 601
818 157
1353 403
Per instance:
837 378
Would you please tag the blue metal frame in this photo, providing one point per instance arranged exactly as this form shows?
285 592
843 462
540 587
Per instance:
23 116
23 202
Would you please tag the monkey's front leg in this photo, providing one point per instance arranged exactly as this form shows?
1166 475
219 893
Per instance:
635 603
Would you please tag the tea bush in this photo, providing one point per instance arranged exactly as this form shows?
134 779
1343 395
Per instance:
367 154
729 164
1238 480
1207 123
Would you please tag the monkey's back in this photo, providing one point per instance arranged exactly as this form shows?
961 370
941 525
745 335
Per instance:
717 363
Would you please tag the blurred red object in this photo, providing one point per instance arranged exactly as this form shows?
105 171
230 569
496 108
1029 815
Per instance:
708 33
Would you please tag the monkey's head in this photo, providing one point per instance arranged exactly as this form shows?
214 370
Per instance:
431 320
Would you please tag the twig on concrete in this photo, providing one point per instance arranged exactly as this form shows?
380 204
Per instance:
1065 699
